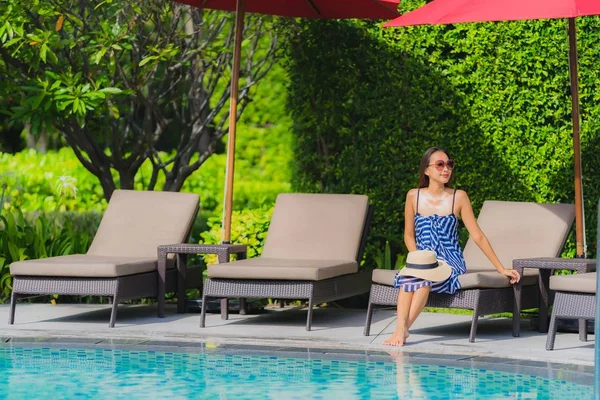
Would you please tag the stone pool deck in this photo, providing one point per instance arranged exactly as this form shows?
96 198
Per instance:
333 328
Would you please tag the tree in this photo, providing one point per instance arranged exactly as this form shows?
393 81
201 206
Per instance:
119 78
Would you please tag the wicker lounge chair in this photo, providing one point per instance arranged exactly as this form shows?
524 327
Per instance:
122 260
575 298
515 230
312 252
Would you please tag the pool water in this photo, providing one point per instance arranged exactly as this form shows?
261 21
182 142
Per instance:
81 373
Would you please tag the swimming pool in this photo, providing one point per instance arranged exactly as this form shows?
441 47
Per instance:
208 371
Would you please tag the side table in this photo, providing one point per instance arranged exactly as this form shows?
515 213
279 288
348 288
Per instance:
546 265
223 252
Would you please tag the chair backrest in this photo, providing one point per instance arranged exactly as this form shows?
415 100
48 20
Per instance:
136 222
317 226
520 230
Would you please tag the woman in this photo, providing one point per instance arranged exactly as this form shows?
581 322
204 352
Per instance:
431 223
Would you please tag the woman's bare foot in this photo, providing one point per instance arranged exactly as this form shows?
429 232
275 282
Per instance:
398 338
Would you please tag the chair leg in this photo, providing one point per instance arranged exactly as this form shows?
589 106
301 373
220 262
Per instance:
243 306
161 295
583 330
201 283
370 310
113 314
309 317
225 309
473 332
517 289
13 305
545 298
203 312
161 277
474 321
551 333
181 277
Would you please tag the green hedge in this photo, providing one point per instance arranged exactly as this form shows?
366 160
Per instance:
367 102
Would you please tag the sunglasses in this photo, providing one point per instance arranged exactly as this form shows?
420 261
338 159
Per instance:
439 165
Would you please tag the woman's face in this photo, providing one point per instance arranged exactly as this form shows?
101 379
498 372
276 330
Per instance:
440 167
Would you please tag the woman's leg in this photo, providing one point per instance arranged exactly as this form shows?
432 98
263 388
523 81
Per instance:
416 306
404 306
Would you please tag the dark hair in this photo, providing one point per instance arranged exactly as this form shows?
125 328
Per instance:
425 161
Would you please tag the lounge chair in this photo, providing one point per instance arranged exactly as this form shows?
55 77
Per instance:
515 230
312 252
122 260
575 298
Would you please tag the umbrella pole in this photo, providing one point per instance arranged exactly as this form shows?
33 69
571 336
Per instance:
579 213
233 100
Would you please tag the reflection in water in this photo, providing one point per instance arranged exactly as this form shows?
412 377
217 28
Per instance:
408 384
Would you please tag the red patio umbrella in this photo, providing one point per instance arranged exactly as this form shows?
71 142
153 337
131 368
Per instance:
326 9
457 11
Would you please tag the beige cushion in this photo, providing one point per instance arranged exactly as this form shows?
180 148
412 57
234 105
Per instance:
520 230
470 280
316 227
493 279
384 276
581 283
84 265
270 268
137 222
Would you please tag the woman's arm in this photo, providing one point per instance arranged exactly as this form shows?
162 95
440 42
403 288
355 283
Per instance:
465 211
409 221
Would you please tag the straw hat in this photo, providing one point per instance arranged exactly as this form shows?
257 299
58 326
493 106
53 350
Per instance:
424 264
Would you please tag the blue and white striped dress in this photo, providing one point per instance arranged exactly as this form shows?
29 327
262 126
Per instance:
438 233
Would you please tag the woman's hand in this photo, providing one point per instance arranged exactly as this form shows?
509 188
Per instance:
512 275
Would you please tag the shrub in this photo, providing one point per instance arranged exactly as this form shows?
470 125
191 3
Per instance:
248 227
32 179
38 236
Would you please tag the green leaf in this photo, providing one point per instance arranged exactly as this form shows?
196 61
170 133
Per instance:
98 56
14 252
12 42
55 85
147 60
75 106
37 100
114 111
43 51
